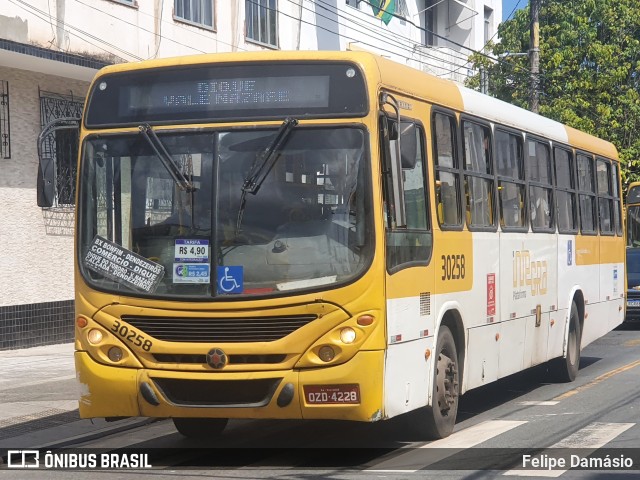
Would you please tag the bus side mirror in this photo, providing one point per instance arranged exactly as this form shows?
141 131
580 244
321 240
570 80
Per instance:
46 177
408 145
392 127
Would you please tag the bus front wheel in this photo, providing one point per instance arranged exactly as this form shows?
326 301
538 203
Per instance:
439 419
565 369
200 427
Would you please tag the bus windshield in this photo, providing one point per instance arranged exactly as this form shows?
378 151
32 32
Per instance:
307 226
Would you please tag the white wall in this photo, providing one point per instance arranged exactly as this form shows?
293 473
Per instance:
36 246
113 30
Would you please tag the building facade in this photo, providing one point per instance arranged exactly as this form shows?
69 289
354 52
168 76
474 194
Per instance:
51 49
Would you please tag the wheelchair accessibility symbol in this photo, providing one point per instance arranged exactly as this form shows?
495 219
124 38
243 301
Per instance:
230 279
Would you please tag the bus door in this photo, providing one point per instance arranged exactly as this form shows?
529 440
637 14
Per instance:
408 252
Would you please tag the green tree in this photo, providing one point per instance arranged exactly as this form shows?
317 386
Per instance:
590 69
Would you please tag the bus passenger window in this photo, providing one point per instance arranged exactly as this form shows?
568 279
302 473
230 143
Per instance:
478 174
565 191
605 200
586 194
447 181
540 186
511 186
411 244
615 179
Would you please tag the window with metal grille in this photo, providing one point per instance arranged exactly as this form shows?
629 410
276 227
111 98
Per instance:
5 134
61 145
261 18
199 12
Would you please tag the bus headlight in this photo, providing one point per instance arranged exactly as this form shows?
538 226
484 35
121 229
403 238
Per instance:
348 335
326 353
94 336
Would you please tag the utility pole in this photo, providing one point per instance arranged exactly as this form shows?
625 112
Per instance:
534 56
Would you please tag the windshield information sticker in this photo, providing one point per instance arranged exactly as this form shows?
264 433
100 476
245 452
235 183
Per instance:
191 273
124 266
230 279
191 251
191 257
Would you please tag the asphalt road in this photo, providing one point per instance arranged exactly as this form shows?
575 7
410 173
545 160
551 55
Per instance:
497 427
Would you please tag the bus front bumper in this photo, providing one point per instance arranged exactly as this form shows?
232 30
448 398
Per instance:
111 391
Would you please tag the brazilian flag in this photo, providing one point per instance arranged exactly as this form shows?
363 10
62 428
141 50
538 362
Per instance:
384 9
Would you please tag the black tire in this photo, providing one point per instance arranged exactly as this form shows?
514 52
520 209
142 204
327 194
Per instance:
565 369
437 421
200 427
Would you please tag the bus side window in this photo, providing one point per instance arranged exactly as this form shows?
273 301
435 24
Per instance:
565 191
605 200
586 194
540 186
447 181
478 174
411 244
511 186
615 181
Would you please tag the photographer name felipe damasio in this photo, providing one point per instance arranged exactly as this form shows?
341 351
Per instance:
550 462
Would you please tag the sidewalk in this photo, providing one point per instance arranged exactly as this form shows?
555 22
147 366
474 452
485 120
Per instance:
36 383
39 402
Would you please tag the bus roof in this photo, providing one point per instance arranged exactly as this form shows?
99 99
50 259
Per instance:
410 82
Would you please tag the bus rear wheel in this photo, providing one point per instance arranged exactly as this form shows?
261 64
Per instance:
565 369
200 427
439 419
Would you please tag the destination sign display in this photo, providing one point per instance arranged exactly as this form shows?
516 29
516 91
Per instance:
228 93
123 266
210 92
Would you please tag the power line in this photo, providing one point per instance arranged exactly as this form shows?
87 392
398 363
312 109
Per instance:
42 16
390 35
402 46
408 50
174 24
344 36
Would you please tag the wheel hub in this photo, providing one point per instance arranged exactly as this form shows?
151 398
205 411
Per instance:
447 383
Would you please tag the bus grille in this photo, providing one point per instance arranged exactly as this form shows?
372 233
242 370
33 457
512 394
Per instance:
218 393
220 330
233 359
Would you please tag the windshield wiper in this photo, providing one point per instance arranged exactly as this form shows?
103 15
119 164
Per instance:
167 160
264 162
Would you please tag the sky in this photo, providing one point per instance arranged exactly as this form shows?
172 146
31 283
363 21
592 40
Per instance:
509 5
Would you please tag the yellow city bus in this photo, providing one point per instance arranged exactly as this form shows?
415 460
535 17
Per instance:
329 235
632 217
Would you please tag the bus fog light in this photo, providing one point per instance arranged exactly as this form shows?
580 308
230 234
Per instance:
348 335
94 336
115 354
326 353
